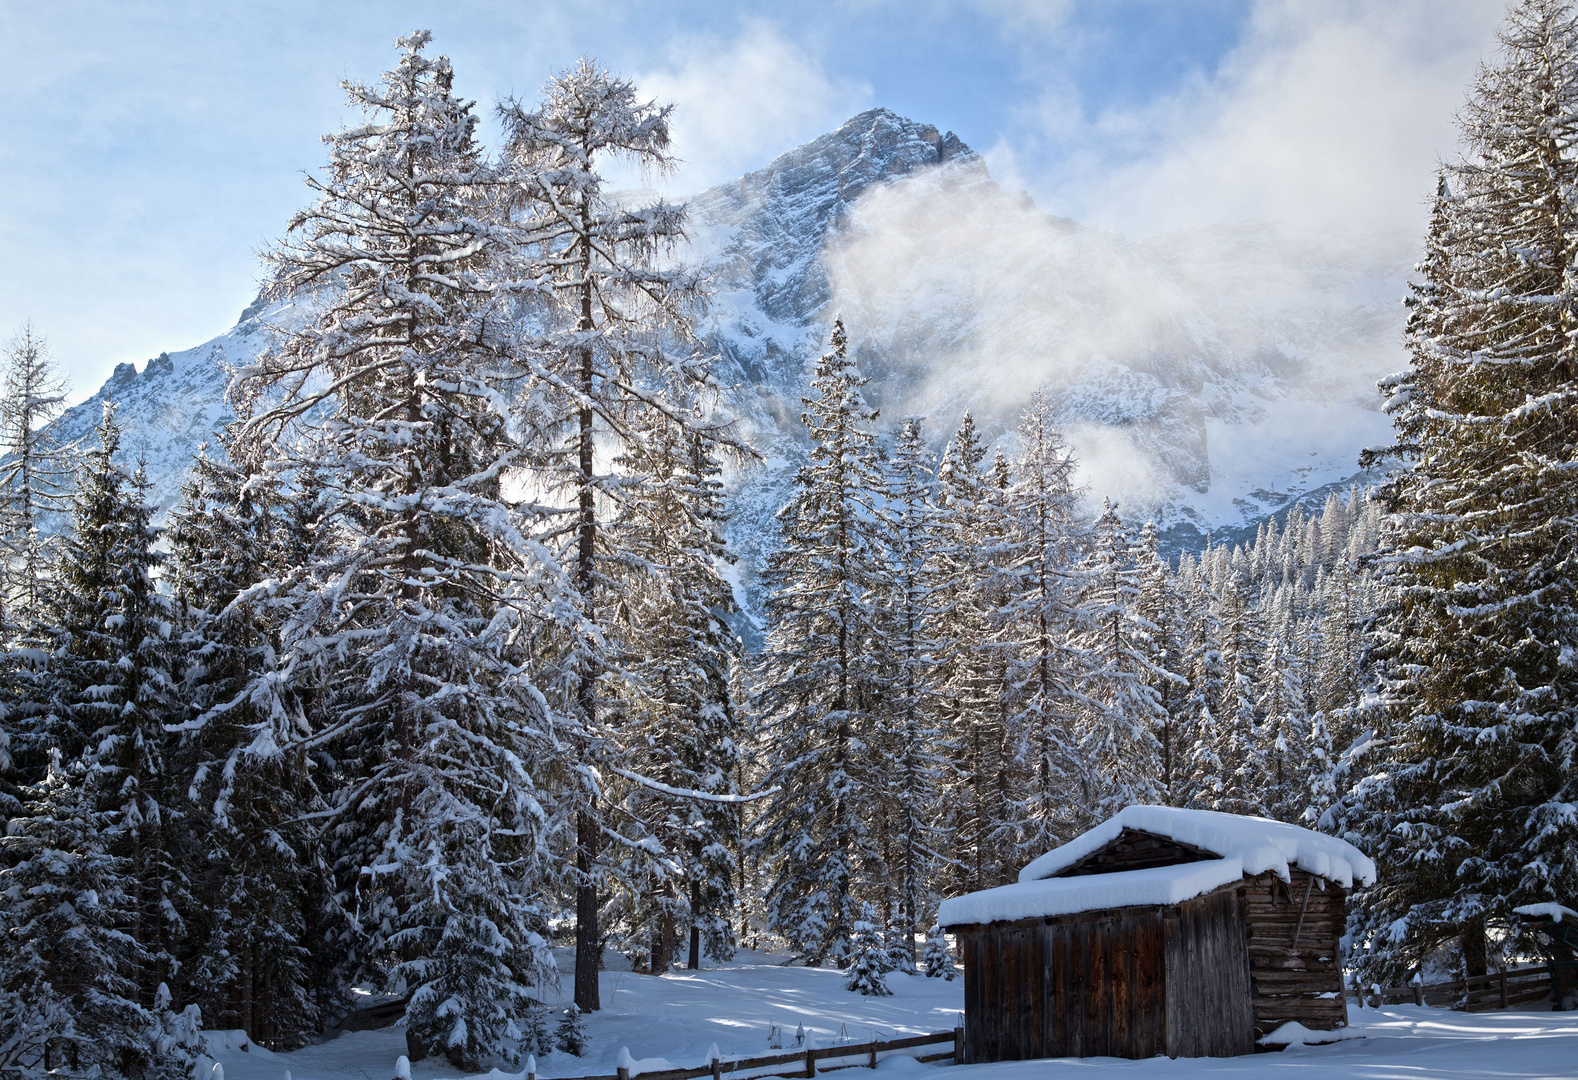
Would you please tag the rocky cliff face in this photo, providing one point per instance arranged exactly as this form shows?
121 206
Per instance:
1208 378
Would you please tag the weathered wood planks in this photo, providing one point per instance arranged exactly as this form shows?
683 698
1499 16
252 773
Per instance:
1201 978
1295 969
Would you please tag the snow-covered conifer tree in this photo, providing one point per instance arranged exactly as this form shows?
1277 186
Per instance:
1284 751
251 777
1468 807
1160 613
819 676
1036 625
869 961
939 960
908 607
682 728
611 350
972 668
69 969
101 852
1124 715
36 472
415 617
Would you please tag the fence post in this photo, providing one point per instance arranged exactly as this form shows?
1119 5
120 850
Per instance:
958 1046
873 1055
1503 988
810 1064
1419 992
717 1069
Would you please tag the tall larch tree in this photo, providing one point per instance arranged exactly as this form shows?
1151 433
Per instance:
36 472
612 348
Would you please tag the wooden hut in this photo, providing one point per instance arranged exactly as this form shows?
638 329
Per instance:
1162 931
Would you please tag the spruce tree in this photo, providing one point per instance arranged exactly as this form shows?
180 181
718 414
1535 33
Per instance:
682 727
869 961
1159 612
939 960
908 609
1124 713
819 676
973 709
251 779
99 897
69 970
1040 615
1467 808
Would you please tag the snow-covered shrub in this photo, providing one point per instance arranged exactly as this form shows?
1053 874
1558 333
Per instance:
938 959
571 1034
535 1038
870 961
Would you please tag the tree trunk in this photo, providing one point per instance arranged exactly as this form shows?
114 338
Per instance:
694 961
588 943
665 935
1474 950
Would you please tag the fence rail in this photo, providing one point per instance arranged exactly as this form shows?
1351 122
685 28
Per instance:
806 1060
1476 993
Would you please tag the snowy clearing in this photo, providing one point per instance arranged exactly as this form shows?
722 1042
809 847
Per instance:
672 1021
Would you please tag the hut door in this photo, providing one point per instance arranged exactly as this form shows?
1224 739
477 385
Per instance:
1105 989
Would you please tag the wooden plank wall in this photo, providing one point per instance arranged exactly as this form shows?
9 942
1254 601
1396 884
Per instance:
1078 986
1205 978
1296 979
1209 1013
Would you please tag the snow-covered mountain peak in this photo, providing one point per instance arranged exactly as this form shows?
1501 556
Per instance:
762 237
1209 377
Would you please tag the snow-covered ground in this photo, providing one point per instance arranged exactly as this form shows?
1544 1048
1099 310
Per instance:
673 1021
677 1017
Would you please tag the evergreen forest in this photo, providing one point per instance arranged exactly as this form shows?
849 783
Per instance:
437 664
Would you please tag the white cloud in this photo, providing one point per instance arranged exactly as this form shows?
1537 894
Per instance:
1326 113
740 102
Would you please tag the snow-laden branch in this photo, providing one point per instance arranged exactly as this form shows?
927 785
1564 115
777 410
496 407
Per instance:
691 793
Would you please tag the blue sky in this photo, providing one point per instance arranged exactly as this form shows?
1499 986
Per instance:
148 150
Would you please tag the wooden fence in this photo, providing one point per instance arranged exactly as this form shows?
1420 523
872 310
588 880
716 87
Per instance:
805 1061
1476 993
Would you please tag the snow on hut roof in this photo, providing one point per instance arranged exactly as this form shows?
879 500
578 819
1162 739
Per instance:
1247 845
1089 892
1261 844
1557 912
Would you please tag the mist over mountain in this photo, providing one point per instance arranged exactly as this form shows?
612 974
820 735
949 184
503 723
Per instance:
1207 378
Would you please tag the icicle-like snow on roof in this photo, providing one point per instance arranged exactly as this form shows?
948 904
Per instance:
1247 845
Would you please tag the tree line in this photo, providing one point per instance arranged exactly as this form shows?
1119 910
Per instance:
962 670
